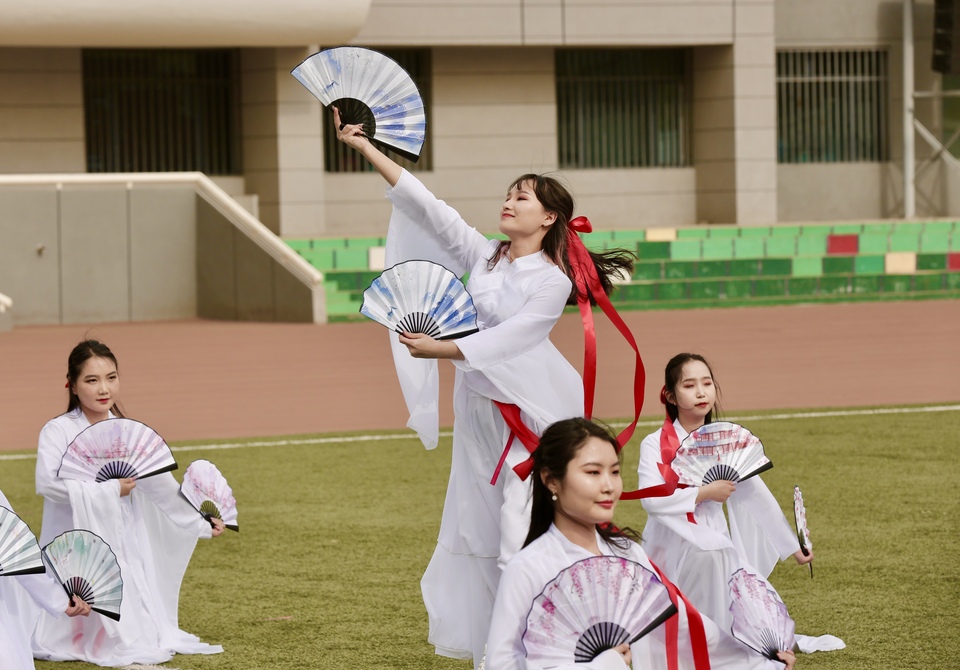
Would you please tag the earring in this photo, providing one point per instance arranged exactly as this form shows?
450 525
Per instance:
554 497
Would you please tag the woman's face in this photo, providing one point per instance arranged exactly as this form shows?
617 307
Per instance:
589 491
695 394
97 387
522 215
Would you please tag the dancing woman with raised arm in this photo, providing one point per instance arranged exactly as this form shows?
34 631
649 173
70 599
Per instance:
510 368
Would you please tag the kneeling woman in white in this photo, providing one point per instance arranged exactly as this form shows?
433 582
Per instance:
576 485
148 524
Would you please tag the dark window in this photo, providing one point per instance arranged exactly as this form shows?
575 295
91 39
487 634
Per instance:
623 108
162 110
832 106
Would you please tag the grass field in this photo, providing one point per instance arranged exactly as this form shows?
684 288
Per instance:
336 533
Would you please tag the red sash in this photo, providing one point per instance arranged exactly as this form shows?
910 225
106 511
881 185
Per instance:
698 635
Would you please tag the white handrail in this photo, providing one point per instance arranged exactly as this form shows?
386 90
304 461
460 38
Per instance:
205 187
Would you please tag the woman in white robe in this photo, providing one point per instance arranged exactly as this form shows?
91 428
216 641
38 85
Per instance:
575 491
686 532
519 288
21 599
150 527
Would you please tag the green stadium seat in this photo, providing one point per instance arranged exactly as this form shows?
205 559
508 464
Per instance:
867 283
834 285
724 232
807 266
769 288
653 250
784 231
903 241
833 265
816 230
756 231
717 248
779 247
745 267
802 286
670 291
931 261
710 269
648 270
847 229
328 243
322 259
776 267
811 245
706 289
874 243
350 259
939 227
635 293
738 288
748 247
934 241
698 233
685 250
868 265
679 269
928 282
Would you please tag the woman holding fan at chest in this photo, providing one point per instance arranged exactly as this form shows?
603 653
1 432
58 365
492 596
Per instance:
576 486
508 371
686 532
149 526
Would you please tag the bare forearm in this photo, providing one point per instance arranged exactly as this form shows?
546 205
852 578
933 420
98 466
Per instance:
383 164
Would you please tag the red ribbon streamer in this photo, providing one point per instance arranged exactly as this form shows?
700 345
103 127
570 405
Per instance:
698 635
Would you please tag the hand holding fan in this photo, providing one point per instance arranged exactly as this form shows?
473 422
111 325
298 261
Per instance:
207 490
421 297
369 88
594 605
116 449
800 516
87 568
760 618
19 549
719 450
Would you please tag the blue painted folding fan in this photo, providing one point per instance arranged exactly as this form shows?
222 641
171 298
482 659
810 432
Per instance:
421 297
369 88
19 550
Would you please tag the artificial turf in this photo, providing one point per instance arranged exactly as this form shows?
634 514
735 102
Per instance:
334 537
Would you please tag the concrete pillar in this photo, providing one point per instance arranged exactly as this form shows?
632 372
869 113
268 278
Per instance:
735 121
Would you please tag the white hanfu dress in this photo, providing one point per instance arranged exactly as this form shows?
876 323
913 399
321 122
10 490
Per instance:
701 557
21 600
511 360
541 561
153 532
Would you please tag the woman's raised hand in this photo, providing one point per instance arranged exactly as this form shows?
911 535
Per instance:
424 346
350 134
787 657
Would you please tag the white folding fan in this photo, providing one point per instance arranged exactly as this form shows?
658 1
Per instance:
87 568
116 449
594 605
369 88
19 549
803 534
760 618
421 297
719 450
207 490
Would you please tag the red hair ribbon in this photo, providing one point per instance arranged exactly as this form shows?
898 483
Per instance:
67 385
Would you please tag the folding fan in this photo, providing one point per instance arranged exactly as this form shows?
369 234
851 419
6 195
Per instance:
369 88
594 605
803 534
421 297
208 491
86 567
760 618
719 450
19 550
116 449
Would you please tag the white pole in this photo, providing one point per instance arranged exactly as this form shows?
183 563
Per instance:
909 149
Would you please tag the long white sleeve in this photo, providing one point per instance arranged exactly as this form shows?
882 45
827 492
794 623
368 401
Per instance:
680 502
52 444
164 492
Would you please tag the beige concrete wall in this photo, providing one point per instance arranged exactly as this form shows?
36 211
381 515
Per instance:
837 191
282 142
493 119
179 23
735 122
555 22
41 111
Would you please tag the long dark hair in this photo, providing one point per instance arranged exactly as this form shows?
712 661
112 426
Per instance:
672 376
82 353
559 445
557 199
